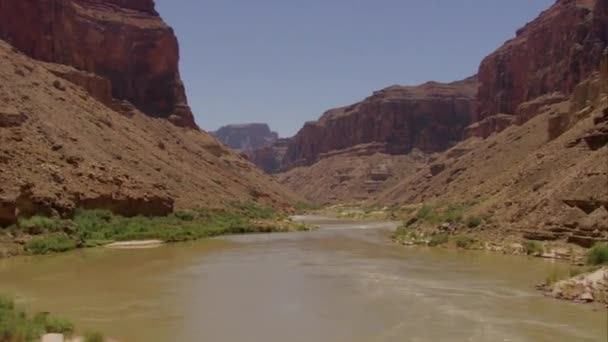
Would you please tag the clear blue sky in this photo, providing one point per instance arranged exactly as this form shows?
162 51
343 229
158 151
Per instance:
285 62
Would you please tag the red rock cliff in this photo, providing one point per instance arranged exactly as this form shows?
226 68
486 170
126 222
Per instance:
124 41
430 117
553 53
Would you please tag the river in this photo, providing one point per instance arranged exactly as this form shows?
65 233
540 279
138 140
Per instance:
343 282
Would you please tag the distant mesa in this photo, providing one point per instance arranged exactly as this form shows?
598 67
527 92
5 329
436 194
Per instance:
246 137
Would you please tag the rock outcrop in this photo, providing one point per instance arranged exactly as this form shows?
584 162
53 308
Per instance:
246 137
544 179
430 117
123 41
270 158
584 288
79 112
551 54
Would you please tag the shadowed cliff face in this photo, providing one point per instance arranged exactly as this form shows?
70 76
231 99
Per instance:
430 117
553 53
246 137
124 41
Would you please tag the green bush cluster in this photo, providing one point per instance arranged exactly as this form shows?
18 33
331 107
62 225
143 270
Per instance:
465 241
93 337
598 255
474 221
90 228
54 243
438 240
534 247
16 326
559 273
453 213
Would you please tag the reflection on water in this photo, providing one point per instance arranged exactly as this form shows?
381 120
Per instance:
330 285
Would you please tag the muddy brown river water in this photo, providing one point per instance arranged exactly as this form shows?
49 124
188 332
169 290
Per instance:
344 282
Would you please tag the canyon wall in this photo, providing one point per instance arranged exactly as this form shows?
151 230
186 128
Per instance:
430 117
124 41
84 83
551 54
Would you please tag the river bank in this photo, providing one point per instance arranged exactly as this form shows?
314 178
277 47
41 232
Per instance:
95 228
452 227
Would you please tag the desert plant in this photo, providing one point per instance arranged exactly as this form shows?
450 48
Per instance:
559 274
92 336
474 221
36 225
598 255
533 247
426 213
59 326
439 239
16 326
51 244
465 241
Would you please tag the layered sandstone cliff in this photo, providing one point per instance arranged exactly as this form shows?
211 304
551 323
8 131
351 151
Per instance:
123 41
430 117
550 55
82 89
246 137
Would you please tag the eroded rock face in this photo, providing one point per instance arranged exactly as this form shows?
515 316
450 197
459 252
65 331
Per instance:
553 53
430 117
124 41
270 158
246 137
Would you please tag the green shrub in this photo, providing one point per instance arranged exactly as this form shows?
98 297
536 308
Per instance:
534 247
93 337
426 213
559 274
465 242
439 239
90 228
474 221
187 216
51 244
598 255
453 213
307 206
36 225
59 326
16 326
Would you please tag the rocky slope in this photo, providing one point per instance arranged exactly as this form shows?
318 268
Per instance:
124 41
550 55
546 179
430 117
358 173
70 136
246 137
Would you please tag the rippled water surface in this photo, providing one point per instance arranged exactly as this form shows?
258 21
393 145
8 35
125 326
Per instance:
343 282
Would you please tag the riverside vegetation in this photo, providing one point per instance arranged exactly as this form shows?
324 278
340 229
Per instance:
92 228
450 227
17 326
